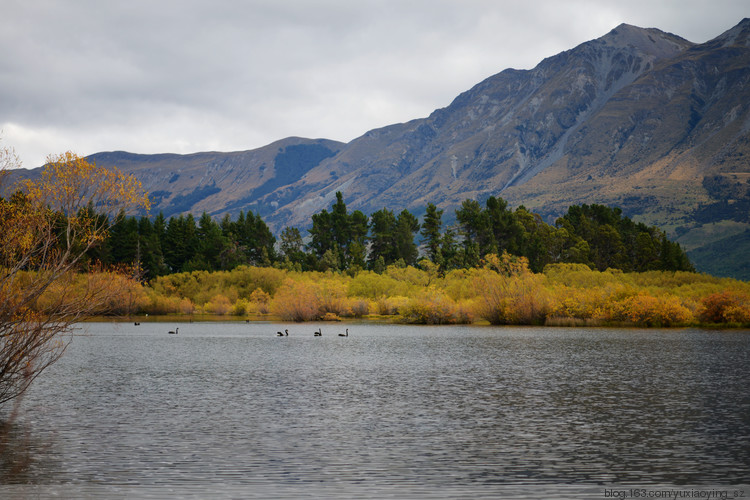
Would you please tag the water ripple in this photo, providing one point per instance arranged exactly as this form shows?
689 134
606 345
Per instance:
391 411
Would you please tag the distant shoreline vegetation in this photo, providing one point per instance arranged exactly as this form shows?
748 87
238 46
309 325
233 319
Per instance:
501 292
497 266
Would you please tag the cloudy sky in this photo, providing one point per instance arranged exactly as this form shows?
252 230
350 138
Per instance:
155 76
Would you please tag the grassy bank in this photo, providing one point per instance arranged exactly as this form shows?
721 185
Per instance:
504 291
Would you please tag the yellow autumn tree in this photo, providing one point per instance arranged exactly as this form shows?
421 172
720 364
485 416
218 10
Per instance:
48 224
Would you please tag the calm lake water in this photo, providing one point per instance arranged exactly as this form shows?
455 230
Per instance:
230 410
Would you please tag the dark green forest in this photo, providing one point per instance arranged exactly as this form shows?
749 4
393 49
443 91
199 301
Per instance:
342 240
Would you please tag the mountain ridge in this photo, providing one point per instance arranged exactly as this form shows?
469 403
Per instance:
638 118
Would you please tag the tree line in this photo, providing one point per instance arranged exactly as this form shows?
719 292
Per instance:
342 240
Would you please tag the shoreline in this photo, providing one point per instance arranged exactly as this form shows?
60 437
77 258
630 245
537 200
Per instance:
397 320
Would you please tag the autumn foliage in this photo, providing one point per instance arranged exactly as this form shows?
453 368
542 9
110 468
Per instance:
47 279
503 291
726 307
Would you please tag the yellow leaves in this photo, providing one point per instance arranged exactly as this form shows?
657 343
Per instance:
70 182
259 296
47 229
219 304
49 223
727 306
646 310
297 301
434 308
514 299
507 264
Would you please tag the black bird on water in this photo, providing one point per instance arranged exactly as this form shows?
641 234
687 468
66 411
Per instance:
319 333
284 334
344 334
175 331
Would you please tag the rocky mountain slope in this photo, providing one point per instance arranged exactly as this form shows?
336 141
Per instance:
638 118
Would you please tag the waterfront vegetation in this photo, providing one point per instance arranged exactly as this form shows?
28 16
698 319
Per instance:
502 291
495 265
594 266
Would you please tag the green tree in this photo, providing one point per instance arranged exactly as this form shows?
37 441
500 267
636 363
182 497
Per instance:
291 246
341 232
431 234
211 245
340 225
149 253
321 234
406 228
180 242
382 237
452 255
534 240
123 239
504 225
254 240
357 248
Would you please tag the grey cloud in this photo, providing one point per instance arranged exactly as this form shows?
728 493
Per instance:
191 75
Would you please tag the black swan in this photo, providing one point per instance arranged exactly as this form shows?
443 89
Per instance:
319 333
175 332
344 334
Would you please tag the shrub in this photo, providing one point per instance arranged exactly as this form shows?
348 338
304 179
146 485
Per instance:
240 307
297 301
646 310
219 304
259 296
332 297
508 300
186 306
159 304
725 307
368 284
433 308
358 308
259 301
389 306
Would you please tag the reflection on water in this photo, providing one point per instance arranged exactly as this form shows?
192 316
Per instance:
398 410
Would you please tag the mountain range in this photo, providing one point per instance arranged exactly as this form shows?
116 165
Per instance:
638 118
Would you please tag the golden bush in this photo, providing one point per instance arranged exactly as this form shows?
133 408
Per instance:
219 304
433 308
297 301
646 310
728 306
240 307
506 300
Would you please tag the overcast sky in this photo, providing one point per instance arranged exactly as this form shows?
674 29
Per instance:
180 76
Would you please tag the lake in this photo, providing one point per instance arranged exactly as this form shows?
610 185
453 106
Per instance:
229 410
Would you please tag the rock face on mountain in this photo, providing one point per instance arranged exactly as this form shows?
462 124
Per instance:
635 118
500 135
639 118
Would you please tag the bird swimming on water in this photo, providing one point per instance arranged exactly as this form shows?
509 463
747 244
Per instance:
175 331
319 333
344 334
285 333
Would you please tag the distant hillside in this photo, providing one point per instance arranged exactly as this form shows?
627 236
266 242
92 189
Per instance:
220 183
725 257
639 118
